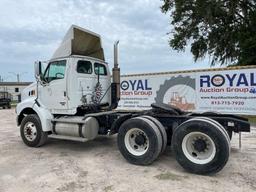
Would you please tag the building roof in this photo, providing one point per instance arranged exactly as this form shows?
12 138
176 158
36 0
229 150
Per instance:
5 83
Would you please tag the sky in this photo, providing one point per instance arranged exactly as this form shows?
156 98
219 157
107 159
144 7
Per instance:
32 30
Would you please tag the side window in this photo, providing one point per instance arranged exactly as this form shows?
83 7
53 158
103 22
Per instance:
55 70
100 69
84 67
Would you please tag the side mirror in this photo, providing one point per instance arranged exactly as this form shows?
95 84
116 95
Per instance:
38 69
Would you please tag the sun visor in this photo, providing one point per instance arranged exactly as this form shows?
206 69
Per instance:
79 41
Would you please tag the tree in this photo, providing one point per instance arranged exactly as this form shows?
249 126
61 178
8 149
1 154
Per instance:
223 29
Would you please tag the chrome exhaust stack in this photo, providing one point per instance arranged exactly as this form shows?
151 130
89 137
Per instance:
115 86
116 54
116 69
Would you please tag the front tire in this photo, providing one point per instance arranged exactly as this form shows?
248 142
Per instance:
200 146
31 131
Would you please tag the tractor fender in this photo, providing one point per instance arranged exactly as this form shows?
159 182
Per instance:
34 107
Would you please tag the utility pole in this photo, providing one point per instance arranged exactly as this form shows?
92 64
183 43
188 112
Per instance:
4 78
1 78
17 75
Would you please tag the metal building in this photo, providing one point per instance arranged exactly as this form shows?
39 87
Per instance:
14 88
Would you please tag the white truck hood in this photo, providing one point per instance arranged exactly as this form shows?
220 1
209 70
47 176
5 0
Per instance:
25 92
79 41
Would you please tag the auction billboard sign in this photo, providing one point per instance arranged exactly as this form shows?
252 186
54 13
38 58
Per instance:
224 90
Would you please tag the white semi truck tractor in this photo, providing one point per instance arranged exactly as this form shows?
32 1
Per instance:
75 98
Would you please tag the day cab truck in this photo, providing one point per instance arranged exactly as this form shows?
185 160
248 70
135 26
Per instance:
5 100
76 96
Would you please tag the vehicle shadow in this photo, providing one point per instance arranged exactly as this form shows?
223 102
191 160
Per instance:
99 142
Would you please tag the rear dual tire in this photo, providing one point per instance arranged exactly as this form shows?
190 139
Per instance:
140 140
229 131
161 129
201 146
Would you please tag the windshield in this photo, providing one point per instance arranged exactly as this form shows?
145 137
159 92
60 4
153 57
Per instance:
55 70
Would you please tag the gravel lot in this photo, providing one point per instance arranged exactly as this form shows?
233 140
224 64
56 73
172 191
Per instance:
98 166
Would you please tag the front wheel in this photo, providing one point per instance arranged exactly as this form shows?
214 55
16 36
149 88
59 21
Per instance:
200 146
31 131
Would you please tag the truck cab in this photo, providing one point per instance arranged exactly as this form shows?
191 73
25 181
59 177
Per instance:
76 78
74 82
71 83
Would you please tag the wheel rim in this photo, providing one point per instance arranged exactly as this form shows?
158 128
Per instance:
136 142
30 131
198 147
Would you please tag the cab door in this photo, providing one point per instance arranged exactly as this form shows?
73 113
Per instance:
102 91
53 94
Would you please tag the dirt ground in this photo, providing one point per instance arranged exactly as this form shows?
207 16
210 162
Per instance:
98 166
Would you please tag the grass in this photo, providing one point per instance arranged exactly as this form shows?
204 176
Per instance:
108 188
14 103
252 119
170 176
